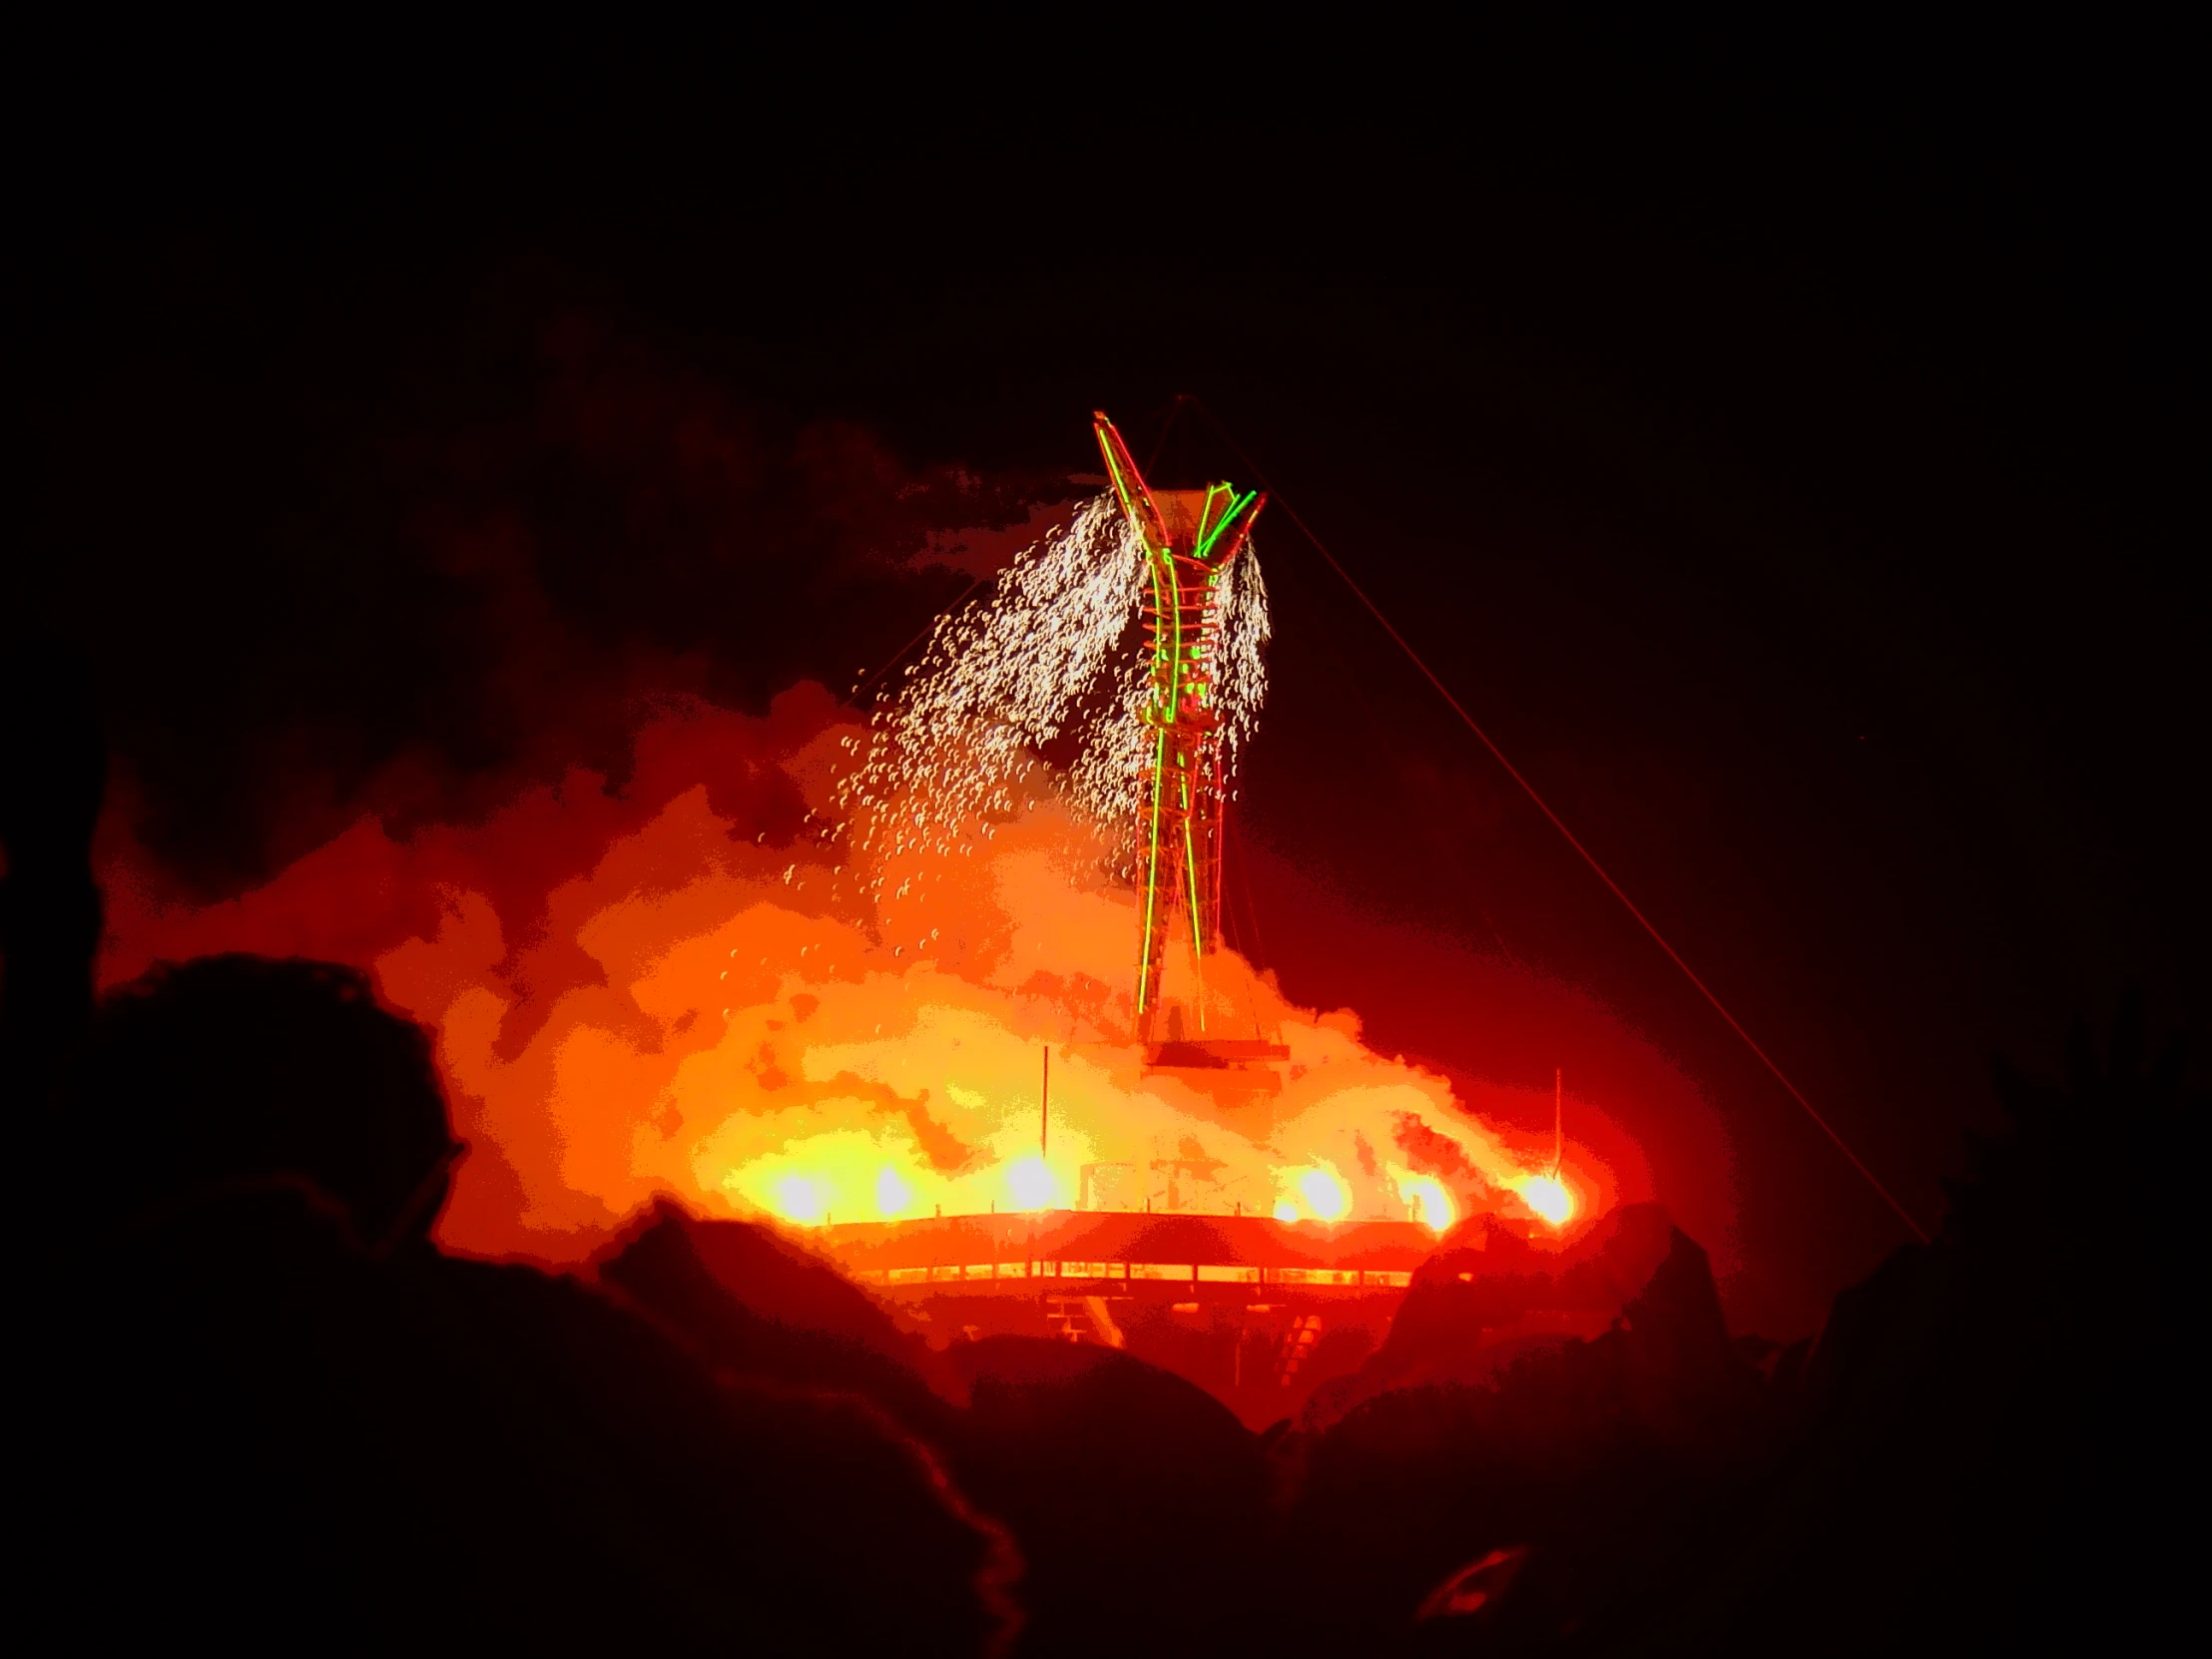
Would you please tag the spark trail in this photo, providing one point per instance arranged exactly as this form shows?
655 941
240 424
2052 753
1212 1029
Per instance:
961 750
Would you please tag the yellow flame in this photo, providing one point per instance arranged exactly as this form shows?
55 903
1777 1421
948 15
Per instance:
1318 1191
1548 1197
894 1196
796 1198
1427 1194
1032 1183
819 1178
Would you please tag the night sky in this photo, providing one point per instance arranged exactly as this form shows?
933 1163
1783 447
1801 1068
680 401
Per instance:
1792 484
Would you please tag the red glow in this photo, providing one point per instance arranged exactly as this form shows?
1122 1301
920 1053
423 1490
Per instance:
683 990
1548 1197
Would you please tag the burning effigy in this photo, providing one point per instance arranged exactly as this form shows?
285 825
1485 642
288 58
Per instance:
829 968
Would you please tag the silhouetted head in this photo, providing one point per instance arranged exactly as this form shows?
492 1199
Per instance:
237 1070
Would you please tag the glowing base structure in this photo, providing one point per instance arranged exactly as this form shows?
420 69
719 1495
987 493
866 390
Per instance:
1236 1305
1190 538
1239 1305
1163 1253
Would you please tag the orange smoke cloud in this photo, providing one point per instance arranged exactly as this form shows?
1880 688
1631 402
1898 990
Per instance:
692 988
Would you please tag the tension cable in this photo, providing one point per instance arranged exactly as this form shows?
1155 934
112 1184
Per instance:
1529 790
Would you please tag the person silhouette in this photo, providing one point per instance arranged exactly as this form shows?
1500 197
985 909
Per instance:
301 1424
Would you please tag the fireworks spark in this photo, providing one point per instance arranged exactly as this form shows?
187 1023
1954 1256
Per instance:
960 750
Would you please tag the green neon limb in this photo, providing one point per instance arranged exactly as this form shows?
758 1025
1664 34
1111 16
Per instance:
1152 867
1164 645
1198 943
1175 644
1237 506
1159 784
1190 863
1121 489
1236 509
1206 512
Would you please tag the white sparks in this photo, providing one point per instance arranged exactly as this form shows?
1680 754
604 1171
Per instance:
1002 678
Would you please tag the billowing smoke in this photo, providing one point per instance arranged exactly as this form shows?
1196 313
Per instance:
696 988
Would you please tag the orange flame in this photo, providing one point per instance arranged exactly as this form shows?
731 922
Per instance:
699 989
1547 1194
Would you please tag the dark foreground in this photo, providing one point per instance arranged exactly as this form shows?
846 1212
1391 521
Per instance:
276 1416
259 1411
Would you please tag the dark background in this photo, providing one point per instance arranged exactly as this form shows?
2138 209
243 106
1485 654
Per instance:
1789 474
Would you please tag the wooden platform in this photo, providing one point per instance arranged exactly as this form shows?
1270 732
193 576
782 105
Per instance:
1162 1255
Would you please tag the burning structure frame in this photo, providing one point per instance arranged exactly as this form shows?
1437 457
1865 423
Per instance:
1190 538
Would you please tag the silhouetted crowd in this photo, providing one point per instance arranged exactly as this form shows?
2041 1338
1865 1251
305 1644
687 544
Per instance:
264 1412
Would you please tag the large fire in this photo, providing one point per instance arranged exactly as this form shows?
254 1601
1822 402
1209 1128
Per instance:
821 969
682 989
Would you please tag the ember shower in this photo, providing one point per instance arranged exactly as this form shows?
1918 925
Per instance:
815 962
1155 757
